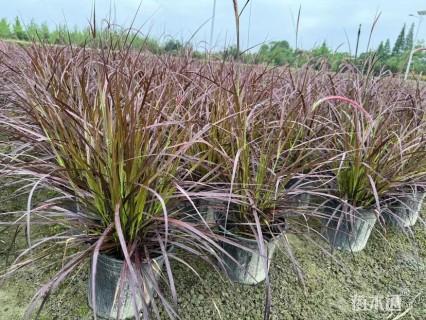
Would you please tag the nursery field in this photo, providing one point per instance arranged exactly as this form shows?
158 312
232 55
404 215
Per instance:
207 189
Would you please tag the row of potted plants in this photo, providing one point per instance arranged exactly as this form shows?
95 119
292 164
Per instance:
167 155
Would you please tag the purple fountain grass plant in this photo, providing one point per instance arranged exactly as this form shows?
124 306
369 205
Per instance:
101 126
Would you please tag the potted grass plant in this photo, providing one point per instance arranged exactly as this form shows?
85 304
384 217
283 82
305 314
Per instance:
364 163
256 146
403 203
398 133
98 125
403 208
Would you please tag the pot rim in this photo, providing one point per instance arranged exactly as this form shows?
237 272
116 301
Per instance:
106 257
242 238
360 213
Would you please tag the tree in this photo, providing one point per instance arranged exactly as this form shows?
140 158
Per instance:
280 52
262 54
409 39
59 35
322 51
32 30
230 52
152 45
4 29
18 31
399 43
387 48
76 37
173 46
276 52
394 64
44 31
380 50
279 44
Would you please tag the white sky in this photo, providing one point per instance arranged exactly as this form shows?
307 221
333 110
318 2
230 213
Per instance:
329 20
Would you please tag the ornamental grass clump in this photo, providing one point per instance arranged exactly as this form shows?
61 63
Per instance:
398 109
99 125
374 150
355 183
260 139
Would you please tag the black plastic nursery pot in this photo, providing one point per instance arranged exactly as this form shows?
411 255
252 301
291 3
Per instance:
305 200
110 302
350 235
72 206
404 211
243 266
300 200
206 211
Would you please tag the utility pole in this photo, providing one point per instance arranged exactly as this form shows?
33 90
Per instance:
410 59
212 27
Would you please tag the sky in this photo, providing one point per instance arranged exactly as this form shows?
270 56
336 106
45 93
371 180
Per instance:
333 21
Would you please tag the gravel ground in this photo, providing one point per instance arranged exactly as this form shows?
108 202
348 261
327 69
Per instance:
392 267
